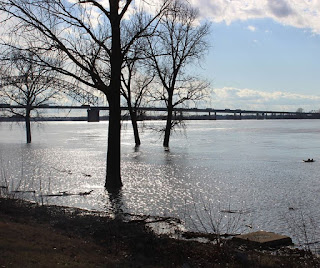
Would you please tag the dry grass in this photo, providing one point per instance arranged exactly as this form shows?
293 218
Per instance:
49 236
24 245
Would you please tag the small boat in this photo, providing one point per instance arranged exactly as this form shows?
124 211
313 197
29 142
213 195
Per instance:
308 160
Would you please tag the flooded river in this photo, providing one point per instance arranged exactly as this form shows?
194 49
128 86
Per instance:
226 176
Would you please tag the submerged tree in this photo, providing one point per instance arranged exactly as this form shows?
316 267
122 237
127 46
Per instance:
25 84
86 36
178 43
136 86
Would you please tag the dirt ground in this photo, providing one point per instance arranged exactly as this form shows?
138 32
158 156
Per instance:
50 236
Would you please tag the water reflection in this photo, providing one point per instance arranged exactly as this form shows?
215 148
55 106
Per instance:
168 157
137 153
116 202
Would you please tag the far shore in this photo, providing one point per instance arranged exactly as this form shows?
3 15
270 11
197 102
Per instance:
163 118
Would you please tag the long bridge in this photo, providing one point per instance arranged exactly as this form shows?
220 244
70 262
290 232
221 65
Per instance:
209 113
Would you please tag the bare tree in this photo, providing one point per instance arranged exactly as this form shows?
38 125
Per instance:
178 43
26 84
135 89
31 86
86 36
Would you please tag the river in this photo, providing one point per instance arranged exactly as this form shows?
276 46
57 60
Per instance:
231 176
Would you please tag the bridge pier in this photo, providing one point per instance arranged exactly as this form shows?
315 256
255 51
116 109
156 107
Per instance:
260 116
214 117
93 115
237 117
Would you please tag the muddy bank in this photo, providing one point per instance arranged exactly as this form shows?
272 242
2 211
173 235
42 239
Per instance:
52 236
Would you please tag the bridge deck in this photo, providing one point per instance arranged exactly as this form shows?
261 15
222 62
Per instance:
160 109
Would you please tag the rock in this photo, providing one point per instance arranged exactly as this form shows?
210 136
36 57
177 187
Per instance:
264 239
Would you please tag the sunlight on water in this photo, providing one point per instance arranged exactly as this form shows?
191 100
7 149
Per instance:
245 174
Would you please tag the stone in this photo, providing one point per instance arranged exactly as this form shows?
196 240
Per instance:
264 239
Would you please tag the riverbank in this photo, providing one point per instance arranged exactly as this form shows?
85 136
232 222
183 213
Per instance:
52 236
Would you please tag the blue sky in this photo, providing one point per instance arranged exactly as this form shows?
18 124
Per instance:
264 54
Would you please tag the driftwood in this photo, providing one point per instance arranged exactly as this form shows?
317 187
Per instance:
68 171
233 211
22 191
65 193
85 193
209 236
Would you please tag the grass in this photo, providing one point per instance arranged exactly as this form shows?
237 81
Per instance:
52 236
22 246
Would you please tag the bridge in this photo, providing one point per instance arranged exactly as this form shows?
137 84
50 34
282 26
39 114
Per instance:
207 113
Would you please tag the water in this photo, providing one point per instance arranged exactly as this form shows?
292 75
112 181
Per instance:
251 168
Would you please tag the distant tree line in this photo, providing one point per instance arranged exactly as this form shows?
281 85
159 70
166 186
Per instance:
140 53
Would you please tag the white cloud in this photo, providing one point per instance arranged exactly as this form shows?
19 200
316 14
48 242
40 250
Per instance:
296 13
251 28
235 98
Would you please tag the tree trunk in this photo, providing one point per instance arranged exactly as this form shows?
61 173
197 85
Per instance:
113 176
28 125
167 132
133 116
113 179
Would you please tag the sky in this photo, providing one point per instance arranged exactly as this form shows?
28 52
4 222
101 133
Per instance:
263 54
